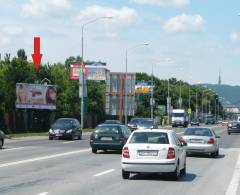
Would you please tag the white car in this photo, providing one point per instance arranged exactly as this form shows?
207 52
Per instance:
201 140
154 151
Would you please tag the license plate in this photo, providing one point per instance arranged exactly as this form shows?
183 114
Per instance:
196 141
234 127
58 135
148 153
106 138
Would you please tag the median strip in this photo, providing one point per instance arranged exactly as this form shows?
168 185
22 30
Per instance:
43 158
233 186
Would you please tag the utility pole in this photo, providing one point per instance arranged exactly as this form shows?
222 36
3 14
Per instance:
81 75
180 95
168 102
196 105
152 101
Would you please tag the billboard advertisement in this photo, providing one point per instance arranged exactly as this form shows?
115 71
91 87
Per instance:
36 96
75 70
93 73
143 87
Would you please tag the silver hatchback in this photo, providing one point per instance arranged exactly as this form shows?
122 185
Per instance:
201 140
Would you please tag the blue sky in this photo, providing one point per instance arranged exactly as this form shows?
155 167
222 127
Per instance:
189 39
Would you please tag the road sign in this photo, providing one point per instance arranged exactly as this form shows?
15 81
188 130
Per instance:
189 111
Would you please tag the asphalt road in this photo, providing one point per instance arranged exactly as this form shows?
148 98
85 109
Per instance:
38 166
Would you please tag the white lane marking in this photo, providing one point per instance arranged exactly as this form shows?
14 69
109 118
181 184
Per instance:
43 158
43 193
68 142
233 186
104 172
10 149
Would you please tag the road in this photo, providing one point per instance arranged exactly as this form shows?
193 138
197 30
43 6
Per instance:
41 167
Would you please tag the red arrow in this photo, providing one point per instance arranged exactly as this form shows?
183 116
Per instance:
36 56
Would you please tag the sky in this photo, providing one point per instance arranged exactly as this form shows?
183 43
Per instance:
191 40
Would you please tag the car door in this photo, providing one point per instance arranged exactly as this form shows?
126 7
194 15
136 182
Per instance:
180 150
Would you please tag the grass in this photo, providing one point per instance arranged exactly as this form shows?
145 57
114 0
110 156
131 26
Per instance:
32 134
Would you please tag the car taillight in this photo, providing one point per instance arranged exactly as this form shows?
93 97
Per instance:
125 153
171 153
211 141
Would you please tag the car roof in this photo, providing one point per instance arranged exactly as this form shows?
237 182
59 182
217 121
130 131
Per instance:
66 119
155 130
104 124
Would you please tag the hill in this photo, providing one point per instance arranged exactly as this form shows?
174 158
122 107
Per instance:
230 94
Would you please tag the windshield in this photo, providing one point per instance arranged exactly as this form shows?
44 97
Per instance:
108 129
63 124
178 114
135 120
146 123
198 132
149 138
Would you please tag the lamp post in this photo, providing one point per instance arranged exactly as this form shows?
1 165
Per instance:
81 75
126 71
152 101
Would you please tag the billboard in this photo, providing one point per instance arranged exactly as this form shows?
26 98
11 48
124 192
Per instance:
36 96
75 70
94 73
115 94
143 87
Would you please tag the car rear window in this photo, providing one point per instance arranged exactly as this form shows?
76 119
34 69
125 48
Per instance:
149 138
198 132
108 129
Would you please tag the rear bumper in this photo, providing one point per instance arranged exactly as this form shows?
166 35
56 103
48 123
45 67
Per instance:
197 148
230 130
154 167
106 146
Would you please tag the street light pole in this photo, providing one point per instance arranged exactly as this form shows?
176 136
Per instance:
196 105
180 95
126 98
151 101
126 72
81 75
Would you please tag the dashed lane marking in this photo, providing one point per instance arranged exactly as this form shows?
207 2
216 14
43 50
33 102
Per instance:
104 172
43 158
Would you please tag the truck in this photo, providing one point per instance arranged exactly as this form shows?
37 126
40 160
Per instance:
179 118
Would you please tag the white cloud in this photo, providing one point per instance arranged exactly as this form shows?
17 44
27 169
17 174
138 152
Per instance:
163 2
121 17
185 23
11 30
233 36
7 32
37 8
4 40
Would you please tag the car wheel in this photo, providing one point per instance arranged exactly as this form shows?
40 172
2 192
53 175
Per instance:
217 153
125 174
183 171
1 144
94 150
174 175
213 154
73 137
50 138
